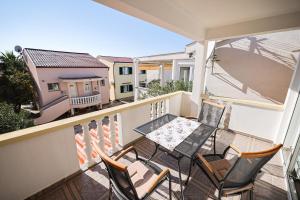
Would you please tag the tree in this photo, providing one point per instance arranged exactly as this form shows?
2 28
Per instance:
16 83
11 121
155 89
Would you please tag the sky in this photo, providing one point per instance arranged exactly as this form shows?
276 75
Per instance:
81 26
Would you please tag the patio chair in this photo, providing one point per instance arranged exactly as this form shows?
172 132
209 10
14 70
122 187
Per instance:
135 181
211 114
237 175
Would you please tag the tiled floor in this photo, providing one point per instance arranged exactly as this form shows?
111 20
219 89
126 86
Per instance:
93 183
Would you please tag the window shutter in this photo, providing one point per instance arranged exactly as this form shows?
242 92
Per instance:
130 88
121 70
130 70
122 88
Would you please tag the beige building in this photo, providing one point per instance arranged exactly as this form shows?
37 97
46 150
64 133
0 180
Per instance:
121 76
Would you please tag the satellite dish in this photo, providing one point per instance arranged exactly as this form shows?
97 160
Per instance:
18 48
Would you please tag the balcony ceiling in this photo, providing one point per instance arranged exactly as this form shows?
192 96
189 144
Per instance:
213 19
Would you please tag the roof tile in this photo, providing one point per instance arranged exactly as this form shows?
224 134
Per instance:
116 59
61 59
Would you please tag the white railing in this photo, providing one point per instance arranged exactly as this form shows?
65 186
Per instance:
43 155
51 152
94 99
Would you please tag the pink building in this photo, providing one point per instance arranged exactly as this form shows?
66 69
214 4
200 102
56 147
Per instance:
66 81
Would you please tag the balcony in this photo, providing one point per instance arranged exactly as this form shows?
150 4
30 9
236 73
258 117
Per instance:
78 102
56 160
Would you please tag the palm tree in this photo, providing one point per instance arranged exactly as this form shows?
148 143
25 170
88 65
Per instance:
16 84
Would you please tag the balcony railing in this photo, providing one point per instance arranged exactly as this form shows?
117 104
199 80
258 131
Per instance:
46 154
94 99
34 158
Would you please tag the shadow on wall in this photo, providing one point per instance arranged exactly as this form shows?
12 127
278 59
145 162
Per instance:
257 66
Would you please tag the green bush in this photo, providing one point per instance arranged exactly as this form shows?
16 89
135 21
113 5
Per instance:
11 121
154 88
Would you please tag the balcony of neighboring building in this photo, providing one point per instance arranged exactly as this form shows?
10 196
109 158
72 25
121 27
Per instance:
83 91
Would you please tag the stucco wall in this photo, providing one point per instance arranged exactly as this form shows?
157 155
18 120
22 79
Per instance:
111 77
124 80
154 75
51 75
255 67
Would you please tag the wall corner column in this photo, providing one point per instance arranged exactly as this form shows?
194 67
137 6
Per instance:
136 78
174 69
161 74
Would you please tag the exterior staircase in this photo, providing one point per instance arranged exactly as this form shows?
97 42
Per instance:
53 110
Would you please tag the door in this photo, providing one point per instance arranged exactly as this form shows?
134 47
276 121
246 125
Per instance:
72 89
291 152
184 74
87 88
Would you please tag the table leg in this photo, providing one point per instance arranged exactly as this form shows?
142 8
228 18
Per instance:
155 151
180 180
190 170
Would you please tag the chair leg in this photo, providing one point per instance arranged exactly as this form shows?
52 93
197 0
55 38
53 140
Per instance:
215 137
215 143
170 187
220 195
109 192
251 194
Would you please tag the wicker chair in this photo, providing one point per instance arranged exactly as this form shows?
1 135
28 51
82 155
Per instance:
211 114
236 175
135 181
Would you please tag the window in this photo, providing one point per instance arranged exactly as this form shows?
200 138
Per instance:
126 88
53 87
142 84
125 70
102 82
143 71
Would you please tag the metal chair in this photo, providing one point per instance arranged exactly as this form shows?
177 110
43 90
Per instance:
135 181
211 114
236 175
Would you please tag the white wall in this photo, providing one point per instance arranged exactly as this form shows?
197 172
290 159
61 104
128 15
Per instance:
256 68
259 122
154 75
126 123
30 165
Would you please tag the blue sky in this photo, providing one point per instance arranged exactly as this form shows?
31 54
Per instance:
81 26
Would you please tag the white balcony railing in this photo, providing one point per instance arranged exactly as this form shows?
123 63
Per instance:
34 158
94 99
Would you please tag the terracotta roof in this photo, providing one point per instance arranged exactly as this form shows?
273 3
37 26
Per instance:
116 59
61 59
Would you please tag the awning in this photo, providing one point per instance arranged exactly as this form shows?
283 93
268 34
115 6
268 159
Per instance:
154 66
79 78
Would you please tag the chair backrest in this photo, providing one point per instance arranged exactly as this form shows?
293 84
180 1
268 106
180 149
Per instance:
211 113
247 167
118 175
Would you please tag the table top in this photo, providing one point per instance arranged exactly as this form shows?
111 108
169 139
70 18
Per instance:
191 141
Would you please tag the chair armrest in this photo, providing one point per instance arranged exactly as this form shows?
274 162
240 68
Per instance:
159 178
204 161
131 148
231 146
190 117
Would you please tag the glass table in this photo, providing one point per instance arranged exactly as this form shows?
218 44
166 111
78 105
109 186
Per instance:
177 140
